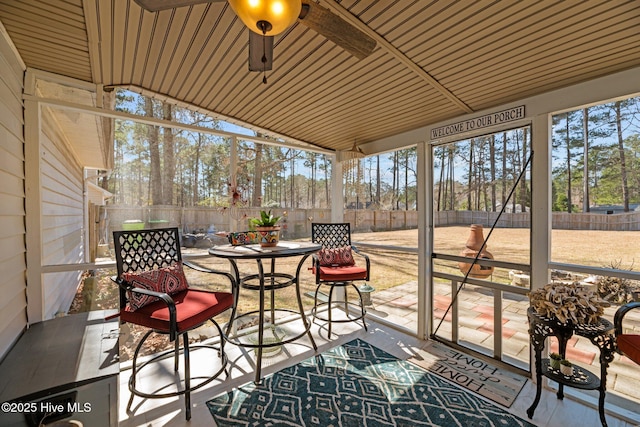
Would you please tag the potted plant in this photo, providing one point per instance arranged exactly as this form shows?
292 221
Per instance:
566 367
267 228
554 361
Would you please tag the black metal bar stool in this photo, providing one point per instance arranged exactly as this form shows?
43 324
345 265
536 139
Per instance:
334 266
154 293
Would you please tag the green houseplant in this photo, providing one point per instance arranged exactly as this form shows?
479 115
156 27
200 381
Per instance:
267 228
266 219
554 361
566 367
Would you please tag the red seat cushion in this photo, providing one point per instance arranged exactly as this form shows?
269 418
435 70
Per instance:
343 273
629 344
193 308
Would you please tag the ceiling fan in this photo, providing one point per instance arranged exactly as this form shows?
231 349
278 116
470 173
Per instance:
266 18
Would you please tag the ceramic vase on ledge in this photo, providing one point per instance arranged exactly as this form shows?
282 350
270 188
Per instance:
473 245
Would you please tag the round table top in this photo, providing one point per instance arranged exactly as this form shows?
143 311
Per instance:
282 250
601 327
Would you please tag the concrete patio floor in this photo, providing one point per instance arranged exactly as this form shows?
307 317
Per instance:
399 306
551 412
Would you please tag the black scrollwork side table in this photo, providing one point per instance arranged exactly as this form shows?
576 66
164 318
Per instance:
598 333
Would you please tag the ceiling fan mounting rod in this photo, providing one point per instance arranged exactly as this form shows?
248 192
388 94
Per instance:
264 26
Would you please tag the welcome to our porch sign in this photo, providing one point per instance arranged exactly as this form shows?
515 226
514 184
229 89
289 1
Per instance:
488 120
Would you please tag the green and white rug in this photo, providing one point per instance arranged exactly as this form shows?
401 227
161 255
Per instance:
357 385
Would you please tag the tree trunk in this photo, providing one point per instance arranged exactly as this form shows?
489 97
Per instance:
492 163
196 170
155 184
623 163
585 178
516 166
292 179
504 168
378 181
169 155
523 184
441 182
256 200
452 179
394 200
569 195
406 180
313 179
470 178
326 181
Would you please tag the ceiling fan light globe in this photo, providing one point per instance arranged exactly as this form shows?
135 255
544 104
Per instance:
280 14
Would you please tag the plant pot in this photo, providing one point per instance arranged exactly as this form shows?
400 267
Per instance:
268 236
473 245
554 363
566 370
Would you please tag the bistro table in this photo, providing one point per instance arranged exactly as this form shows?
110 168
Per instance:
267 281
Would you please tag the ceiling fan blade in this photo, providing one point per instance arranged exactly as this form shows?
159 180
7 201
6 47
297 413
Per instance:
259 47
334 28
156 5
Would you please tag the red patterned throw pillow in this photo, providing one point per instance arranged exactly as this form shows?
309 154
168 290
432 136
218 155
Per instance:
170 280
336 257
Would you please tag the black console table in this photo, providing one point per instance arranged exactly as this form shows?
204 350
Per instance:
598 333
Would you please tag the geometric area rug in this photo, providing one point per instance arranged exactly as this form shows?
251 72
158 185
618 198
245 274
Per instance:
359 385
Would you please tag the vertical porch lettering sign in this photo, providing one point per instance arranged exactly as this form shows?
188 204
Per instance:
504 116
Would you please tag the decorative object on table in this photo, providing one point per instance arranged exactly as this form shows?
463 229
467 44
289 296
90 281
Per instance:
265 225
568 302
356 384
239 238
554 361
472 247
566 368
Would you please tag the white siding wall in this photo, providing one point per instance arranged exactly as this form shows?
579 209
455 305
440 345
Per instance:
13 317
62 216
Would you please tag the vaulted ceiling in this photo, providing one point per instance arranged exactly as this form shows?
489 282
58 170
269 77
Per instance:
434 60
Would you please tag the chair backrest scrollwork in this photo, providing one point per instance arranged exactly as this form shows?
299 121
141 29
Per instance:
142 250
331 235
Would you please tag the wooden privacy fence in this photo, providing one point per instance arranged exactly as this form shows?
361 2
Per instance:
296 223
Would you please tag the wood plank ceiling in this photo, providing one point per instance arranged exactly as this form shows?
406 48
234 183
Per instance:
479 54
